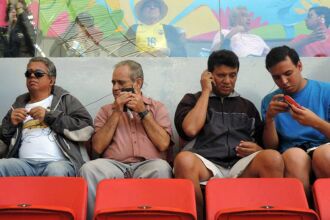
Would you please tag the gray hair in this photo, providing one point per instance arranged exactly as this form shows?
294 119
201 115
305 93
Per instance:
135 67
235 13
48 63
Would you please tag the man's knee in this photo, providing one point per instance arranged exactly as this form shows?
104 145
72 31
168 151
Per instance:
87 169
321 161
5 166
296 158
59 168
271 159
267 163
99 169
185 160
15 167
164 170
157 169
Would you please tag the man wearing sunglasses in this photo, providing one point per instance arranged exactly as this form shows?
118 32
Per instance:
44 126
132 135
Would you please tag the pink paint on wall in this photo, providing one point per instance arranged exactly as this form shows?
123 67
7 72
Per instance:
3 5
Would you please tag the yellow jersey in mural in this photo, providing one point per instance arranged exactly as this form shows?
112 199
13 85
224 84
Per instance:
150 38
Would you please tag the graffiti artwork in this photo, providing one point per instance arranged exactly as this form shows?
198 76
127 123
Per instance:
101 27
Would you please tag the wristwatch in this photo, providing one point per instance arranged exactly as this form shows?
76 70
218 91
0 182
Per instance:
143 114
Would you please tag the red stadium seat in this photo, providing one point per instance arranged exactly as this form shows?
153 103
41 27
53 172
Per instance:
321 193
145 199
257 199
43 198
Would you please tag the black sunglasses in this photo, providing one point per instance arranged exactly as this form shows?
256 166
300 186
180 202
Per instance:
37 73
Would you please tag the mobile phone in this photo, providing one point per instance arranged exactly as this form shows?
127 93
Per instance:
291 101
130 89
214 87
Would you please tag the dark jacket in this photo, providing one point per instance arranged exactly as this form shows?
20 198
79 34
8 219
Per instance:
21 38
229 120
3 40
67 118
3 146
174 41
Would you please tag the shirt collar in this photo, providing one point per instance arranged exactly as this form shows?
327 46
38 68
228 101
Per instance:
231 95
146 100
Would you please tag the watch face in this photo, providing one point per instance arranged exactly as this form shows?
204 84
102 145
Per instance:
143 114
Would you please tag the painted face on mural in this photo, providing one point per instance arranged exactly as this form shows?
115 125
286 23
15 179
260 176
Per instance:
244 18
12 14
313 20
151 11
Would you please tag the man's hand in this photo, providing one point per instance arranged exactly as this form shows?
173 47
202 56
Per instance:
317 35
304 116
206 81
18 115
276 106
136 103
38 113
121 101
246 148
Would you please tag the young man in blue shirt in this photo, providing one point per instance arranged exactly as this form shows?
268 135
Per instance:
301 134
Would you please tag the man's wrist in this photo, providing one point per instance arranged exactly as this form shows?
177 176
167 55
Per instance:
206 92
318 124
117 108
143 114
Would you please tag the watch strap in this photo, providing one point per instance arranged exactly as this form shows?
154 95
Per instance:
143 114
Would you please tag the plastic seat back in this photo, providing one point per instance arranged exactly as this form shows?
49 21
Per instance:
44 198
321 193
257 198
161 199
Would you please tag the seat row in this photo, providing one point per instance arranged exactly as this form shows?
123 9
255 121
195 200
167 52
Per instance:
62 198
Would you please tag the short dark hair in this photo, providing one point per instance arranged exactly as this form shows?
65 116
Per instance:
222 57
322 10
279 54
48 63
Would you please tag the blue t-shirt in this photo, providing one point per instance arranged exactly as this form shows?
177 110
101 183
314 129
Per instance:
314 96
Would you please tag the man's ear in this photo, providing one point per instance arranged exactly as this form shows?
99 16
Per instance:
52 80
299 65
139 83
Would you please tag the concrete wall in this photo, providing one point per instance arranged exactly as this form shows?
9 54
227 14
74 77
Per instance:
166 79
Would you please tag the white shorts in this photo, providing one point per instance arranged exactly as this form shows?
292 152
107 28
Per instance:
222 172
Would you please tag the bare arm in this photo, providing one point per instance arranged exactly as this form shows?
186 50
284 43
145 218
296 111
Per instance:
103 137
270 136
306 117
223 41
235 30
195 119
322 126
316 35
157 134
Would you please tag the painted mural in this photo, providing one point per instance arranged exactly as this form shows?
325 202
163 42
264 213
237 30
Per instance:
272 20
